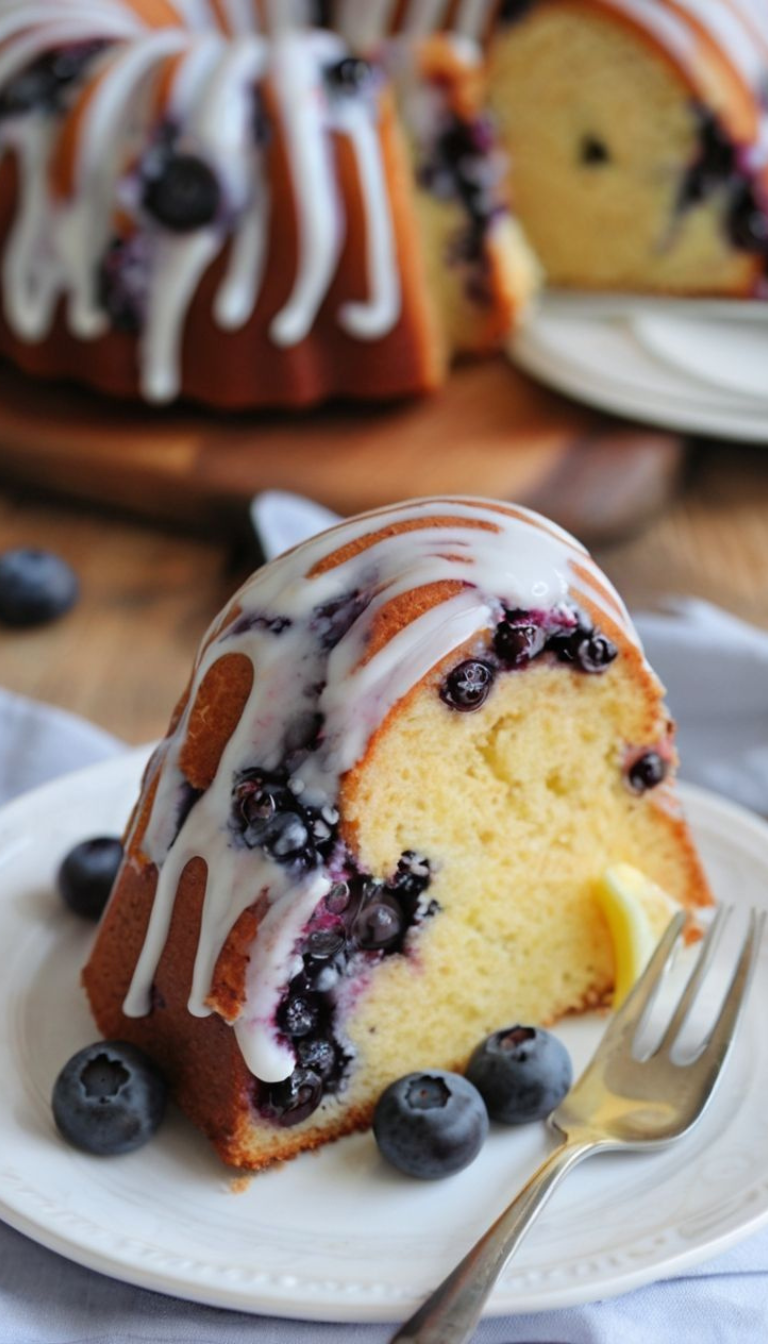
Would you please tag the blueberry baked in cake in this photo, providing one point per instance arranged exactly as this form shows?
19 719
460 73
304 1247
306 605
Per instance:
407 751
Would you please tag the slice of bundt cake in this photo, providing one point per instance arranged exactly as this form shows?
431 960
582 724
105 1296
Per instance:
407 751
193 205
638 132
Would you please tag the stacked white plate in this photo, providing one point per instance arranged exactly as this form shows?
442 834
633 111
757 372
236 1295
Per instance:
696 365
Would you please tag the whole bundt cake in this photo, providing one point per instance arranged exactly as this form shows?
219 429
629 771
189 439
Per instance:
408 750
206 198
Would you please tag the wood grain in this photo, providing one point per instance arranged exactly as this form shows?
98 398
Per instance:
122 656
491 431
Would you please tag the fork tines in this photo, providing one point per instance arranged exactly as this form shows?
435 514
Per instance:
636 1008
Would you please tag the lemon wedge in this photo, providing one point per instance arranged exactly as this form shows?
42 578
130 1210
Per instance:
637 912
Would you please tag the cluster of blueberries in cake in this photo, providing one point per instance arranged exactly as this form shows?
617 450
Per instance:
464 164
43 85
361 917
269 816
719 167
519 638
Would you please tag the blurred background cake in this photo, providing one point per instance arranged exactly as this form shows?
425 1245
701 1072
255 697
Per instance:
189 206
229 203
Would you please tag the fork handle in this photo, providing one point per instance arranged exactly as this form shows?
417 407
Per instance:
450 1314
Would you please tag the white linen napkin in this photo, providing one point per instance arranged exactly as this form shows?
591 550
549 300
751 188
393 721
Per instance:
715 669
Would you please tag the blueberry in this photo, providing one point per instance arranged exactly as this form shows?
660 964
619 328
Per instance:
646 772
413 876
325 944
298 1015
294 1100
518 640
317 1054
593 151
338 898
268 816
379 924
595 654
35 587
566 641
430 1124
467 687
349 75
109 1098
748 221
287 836
522 1074
184 195
88 873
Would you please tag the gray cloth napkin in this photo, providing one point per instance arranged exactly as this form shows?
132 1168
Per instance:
716 671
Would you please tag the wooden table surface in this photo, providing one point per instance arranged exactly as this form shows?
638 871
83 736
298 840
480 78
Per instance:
122 655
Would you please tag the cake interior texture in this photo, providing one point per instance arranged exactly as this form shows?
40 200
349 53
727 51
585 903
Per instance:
373 833
626 176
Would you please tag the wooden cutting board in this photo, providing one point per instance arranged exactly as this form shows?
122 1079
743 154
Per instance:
492 431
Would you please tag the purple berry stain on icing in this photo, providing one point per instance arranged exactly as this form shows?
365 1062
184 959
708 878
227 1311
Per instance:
123 282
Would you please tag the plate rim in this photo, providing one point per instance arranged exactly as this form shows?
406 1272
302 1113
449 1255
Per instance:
270 1302
529 351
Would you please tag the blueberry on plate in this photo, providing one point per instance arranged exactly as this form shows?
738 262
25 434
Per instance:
430 1124
109 1098
522 1074
35 586
88 873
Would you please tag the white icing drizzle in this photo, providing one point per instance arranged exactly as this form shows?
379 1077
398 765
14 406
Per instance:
472 18
732 35
56 246
363 24
523 562
425 17
374 318
305 113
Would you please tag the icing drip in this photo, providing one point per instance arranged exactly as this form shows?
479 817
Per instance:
306 634
305 113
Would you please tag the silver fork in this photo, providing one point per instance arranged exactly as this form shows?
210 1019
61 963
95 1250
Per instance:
620 1102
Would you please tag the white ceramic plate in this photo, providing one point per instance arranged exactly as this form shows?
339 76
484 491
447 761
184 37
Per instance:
646 365
339 1236
729 356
